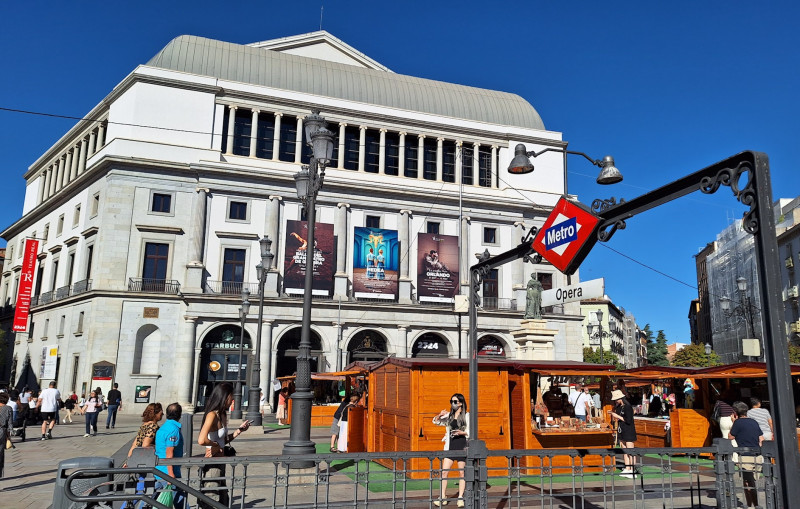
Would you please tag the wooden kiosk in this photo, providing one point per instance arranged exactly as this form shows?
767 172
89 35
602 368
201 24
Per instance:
405 395
324 404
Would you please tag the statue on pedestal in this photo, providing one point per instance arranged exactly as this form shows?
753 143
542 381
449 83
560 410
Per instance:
533 299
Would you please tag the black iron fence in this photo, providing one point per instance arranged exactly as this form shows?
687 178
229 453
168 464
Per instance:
139 284
718 476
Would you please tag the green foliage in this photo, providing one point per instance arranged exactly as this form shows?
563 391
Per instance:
794 354
593 356
656 351
695 356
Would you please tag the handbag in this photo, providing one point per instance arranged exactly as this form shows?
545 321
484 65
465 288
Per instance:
9 444
228 450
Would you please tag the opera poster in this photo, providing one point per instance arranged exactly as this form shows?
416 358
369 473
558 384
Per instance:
294 267
437 267
375 262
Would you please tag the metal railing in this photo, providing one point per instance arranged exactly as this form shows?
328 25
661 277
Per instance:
577 478
62 293
230 287
496 303
46 298
139 284
82 286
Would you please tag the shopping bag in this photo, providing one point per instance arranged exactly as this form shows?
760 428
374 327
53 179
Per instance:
167 497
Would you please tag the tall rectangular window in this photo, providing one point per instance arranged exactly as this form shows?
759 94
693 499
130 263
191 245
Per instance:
372 150
54 276
46 327
46 232
265 134
155 261
288 138
61 323
412 156
60 227
242 128
95 205
467 165
70 268
89 254
391 163
233 270
449 161
237 210
429 163
76 218
351 142
162 203
79 328
485 167
75 364
39 278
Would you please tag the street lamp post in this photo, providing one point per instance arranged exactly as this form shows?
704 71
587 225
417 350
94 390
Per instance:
743 310
308 181
237 393
708 354
254 400
600 334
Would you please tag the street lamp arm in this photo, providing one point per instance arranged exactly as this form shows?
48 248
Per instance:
535 154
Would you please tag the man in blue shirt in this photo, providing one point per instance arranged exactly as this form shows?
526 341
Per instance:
747 433
169 444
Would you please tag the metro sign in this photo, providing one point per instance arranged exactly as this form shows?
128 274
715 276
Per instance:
567 236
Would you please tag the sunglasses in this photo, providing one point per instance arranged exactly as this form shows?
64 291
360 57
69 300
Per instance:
454 401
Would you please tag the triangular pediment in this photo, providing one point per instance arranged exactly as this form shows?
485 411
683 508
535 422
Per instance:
323 46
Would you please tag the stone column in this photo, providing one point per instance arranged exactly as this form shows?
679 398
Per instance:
101 136
267 367
439 158
465 260
254 133
91 149
276 139
67 168
476 164
73 171
459 161
42 183
382 153
421 156
339 351
493 177
195 267
59 174
82 161
404 280
184 354
53 179
401 162
518 280
341 232
272 222
402 340
362 141
231 127
342 128
298 141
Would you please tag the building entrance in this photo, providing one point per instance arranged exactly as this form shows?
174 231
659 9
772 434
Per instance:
220 362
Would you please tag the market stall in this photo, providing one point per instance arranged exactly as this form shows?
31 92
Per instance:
328 390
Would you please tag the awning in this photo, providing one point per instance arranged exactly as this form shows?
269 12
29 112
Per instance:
332 376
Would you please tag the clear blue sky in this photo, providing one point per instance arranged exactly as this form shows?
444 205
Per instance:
667 88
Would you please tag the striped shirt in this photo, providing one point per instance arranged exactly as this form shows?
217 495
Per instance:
762 417
725 410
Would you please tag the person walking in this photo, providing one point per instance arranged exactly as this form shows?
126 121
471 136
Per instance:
762 417
335 424
146 436
48 409
5 428
169 444
91 409
726 415
114 404
69 407
626 430
456 420
747 433
280 412
580 402
353 401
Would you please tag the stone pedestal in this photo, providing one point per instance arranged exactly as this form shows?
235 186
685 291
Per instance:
340 286
404 296
194 278
535 341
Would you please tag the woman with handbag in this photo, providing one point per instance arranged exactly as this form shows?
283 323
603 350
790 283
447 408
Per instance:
91 409
215 437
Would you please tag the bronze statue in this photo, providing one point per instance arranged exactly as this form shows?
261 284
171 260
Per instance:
533 299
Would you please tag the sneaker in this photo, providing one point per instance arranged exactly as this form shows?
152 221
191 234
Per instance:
438 503
63 421
44 437
460 503
85 435
49 435
106 426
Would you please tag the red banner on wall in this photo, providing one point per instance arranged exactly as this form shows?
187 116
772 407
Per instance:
25 286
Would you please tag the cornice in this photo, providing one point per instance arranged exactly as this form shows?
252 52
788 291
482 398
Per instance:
172 230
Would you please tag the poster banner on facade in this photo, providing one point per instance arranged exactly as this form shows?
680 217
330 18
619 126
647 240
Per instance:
375 261
49 362
142 394
294 268
437 267
23 305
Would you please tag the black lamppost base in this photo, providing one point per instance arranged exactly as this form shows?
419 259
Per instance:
253 411
237 402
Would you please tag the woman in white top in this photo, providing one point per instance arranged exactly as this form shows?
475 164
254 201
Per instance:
214 436
455 439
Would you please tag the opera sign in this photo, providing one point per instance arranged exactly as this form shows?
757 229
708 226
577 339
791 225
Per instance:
593 289
567 236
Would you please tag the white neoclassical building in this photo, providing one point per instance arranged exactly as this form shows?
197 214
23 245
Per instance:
150 210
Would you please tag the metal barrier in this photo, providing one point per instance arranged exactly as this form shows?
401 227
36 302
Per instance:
718 476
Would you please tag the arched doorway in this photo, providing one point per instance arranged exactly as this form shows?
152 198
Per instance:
288 349
430 344
219 360
491 346
367 345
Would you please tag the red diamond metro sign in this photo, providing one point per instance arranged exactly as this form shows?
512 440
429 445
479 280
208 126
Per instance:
567 236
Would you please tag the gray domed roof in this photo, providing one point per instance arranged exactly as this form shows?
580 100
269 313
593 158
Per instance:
258 66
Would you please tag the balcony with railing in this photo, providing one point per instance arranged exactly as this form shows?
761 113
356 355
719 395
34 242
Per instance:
62 293
229 287
46 297
150 285
82 286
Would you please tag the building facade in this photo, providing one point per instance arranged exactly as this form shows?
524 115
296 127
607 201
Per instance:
789 251
150 211
612 332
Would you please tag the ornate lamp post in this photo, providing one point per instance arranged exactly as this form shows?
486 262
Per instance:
708 354
253 401
237 393
600 334
309 182
745 308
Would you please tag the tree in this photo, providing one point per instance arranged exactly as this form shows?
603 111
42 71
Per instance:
593 356
657 351
695 356
794 354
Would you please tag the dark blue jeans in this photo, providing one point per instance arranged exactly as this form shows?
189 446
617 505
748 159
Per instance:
111 420
91 422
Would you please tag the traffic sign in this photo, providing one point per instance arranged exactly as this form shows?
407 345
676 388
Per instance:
592 289
567 236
